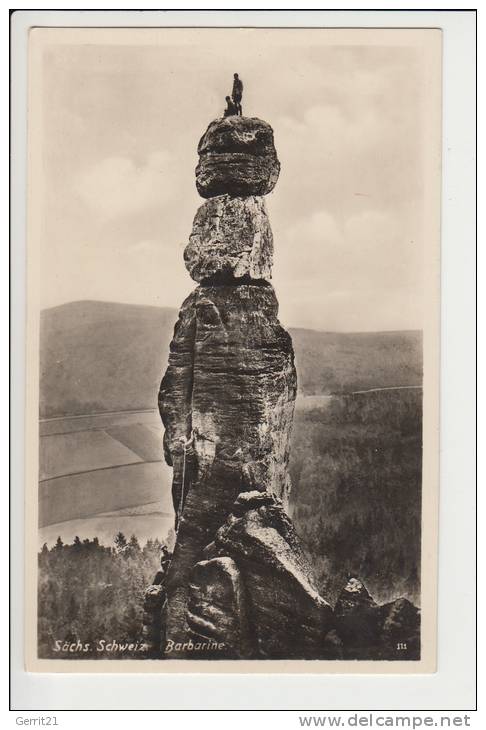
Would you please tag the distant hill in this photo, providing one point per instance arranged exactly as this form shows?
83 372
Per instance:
341 362
104 356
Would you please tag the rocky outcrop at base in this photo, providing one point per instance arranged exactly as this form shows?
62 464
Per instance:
152 620
217 609
368 630
283 615
253 596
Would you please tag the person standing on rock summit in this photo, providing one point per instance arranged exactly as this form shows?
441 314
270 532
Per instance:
237 93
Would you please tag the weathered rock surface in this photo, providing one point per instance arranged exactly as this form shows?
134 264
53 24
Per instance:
217 608
285 613
401 625
237 157
255 592
229 394
152 619
367 629
354 596
231 238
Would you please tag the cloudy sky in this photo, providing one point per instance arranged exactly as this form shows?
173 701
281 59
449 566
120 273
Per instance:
120 123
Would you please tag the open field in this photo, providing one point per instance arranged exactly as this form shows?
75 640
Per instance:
94 464
87 421
146 526
89 493
106 462
72 453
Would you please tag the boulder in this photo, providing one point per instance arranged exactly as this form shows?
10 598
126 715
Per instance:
286 614
237 157
371 631
217 610
231 238
401 628
251 500
227 402
353 596
358 617
154 598
152 620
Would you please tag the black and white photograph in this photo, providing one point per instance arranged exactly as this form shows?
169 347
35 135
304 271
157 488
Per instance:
233 321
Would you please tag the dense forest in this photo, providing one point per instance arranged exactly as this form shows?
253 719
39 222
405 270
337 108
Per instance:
89 593
356 468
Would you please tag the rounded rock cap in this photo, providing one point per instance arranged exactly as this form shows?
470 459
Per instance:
237 157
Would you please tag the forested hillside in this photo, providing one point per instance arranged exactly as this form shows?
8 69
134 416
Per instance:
356 467
104 356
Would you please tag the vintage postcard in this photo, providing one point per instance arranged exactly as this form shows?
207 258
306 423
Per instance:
233 349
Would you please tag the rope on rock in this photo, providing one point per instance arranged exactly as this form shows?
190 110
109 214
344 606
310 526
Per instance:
185 443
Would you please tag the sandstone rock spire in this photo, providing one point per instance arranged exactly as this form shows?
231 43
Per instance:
239 584
227 397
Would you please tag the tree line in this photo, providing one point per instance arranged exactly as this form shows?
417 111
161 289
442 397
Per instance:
88 592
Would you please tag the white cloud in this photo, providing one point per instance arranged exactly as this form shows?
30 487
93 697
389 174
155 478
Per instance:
118 186
339 275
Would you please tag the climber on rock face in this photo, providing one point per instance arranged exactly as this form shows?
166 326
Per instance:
237 93
231 109
165 558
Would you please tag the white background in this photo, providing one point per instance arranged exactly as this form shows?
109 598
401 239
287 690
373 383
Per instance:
453 686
